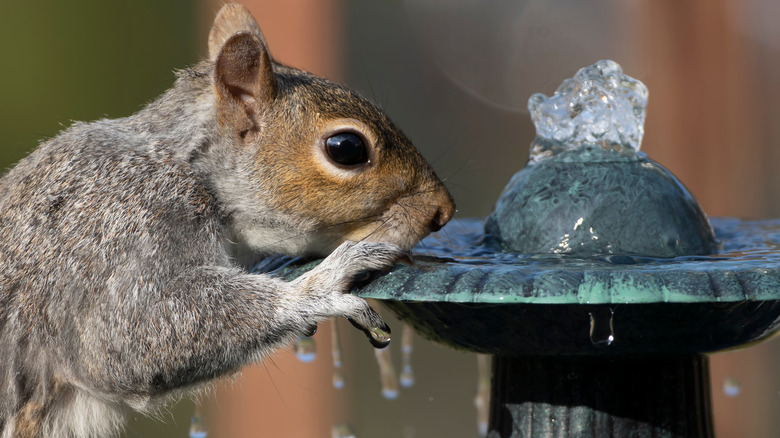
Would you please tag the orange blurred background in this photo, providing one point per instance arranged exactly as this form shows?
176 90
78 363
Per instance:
455 76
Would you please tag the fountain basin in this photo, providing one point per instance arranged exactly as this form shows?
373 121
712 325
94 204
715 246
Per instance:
463 293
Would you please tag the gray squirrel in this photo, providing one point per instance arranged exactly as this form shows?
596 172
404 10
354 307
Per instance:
125 244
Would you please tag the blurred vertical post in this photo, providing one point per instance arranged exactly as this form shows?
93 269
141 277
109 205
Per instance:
707 122
703 120
281 396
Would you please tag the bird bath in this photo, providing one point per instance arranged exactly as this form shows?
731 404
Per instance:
597 284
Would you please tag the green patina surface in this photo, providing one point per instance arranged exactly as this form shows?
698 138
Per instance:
747 268
605 202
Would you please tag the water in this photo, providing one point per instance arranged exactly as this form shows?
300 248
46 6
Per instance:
305 349
466 255
338 374
342 430
482 398
731 387
599 105
601 327
407 375
380 338
197 427
387 376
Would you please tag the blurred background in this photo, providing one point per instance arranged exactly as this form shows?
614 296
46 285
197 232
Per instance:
455 76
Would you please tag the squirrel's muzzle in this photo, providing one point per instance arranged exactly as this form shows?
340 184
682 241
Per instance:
445 210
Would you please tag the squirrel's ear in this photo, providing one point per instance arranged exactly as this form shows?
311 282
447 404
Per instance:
244 76
232 19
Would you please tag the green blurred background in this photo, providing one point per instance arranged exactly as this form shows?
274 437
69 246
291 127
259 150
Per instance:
455 77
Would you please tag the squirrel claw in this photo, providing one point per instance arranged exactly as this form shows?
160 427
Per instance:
311 331
379 337
406 258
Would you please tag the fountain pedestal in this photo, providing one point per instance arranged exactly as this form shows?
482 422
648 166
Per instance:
621 396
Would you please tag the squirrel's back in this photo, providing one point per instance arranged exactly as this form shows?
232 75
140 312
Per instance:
84 221
124 244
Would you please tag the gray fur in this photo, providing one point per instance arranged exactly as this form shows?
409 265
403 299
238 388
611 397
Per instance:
117 289
125 244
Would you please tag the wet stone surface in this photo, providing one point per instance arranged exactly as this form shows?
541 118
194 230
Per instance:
599 201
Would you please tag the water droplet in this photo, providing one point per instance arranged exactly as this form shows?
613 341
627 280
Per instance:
305 349
407 376
731 387
379 335
387 375
342 430
197 427
482 398
602 329
390 393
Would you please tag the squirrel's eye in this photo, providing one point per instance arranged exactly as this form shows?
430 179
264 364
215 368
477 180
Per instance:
346 148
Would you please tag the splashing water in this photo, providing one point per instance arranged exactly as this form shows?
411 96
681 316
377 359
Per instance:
305 349
338 375
407 375
387 376
598 106
602 327
197 426
482 399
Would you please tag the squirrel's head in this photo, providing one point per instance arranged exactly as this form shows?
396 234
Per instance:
324 158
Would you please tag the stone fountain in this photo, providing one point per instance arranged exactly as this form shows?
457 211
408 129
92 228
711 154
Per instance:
597 284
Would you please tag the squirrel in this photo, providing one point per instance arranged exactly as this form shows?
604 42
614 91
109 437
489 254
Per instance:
126 244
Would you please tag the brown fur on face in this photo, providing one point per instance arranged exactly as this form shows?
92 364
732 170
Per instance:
344 203
284 116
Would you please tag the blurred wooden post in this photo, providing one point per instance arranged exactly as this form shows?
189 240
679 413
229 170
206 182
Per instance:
283 397
704 123
702 120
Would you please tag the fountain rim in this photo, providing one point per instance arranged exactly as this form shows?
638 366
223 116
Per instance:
718 278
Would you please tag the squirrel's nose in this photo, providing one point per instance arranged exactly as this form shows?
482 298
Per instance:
443 214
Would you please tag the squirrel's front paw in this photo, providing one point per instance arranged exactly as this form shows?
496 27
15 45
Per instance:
333 278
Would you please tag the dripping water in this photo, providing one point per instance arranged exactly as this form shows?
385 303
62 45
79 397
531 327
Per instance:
197 426
342 430
338 374
305 349
407 375
482 399
602 328
731 387
387 375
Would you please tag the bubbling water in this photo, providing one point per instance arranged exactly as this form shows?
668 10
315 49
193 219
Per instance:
598 106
